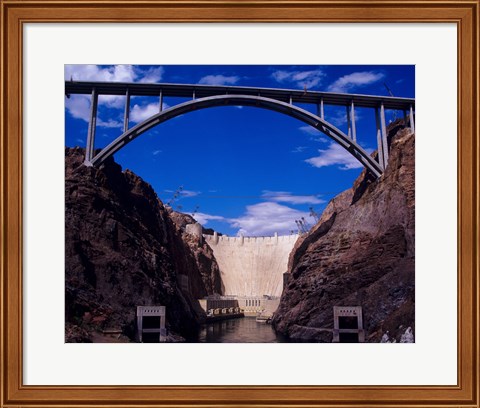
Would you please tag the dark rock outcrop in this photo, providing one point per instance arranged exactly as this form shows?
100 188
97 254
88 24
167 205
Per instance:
206 263
360 253
122 250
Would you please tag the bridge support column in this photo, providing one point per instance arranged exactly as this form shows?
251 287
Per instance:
160 106
379 140
127 112
349 123
320 111
90 148
354 128
412 122
384 135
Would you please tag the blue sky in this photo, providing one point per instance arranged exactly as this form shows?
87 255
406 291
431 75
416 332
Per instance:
243 170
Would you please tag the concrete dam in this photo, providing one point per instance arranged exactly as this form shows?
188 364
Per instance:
252 267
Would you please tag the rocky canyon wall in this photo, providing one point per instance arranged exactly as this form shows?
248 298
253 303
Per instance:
360 253
122 250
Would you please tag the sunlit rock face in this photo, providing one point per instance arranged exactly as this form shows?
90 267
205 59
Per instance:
360 253
252 266
206 263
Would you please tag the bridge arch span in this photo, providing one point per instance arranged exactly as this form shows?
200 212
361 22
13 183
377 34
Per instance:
241 100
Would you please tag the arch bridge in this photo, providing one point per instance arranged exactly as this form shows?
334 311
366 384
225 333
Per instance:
279 100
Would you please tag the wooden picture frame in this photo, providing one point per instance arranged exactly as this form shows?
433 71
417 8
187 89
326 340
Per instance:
15 13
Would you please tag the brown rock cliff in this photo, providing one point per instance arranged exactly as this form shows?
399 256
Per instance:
122 250
360 253
207 265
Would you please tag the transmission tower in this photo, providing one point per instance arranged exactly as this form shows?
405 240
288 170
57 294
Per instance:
302 226
178 191
305 223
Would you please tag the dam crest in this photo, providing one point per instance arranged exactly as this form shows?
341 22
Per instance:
224 239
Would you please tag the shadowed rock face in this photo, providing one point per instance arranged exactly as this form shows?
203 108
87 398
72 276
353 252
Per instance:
122 250
360 253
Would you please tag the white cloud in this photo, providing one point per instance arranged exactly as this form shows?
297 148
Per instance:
151 75
299 149
315 133
110 123
140 113
320 139
112 101
78 106
189 193
357 79
339 117
309 130
302 79
203 218
113 73
266 219
156 152
219 80
288 197
263 219
336 155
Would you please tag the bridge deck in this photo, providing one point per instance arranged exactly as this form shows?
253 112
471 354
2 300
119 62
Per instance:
202 91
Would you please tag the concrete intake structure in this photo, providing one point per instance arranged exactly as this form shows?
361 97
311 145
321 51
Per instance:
252 266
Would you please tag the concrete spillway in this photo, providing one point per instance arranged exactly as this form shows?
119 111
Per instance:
252 266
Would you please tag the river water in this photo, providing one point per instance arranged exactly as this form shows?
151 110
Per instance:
241 330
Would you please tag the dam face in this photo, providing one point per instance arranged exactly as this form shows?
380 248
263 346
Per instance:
252 267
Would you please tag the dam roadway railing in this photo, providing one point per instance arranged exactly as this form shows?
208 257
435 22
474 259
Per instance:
226 240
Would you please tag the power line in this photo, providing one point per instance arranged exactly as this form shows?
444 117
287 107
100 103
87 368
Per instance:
175 196
259 196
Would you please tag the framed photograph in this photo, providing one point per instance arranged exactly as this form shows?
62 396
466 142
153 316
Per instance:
79 81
